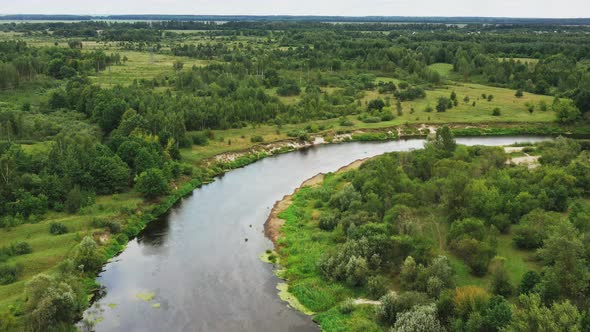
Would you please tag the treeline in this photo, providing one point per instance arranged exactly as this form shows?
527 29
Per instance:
382 224
19 63
283 18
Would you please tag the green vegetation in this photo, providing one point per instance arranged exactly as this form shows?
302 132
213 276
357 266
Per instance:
103 126
443 237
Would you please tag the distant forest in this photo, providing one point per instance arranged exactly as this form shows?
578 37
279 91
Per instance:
275 18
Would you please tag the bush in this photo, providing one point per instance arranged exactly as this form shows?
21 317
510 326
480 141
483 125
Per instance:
420 318
199 138
346 307
345 122
376 286
257 139
289 89
376 104
393 305
519 93
443 104
371 119
328 221
9 273
357 271
470 299
21 248
57 228
496 112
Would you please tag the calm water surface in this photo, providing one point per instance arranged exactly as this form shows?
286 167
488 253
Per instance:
197 264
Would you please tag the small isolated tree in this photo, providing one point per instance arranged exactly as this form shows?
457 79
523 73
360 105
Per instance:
566 111
50 302
152 183
529 281
419 319
376 104
500 280
445 140
519 93
74 200
443 104
87 255
357 271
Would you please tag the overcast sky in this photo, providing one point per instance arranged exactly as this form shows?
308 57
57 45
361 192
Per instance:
503 8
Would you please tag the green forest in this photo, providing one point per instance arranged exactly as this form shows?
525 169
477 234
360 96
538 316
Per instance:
447 238
104 125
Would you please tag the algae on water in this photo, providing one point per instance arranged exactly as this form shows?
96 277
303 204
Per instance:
146 296
291 299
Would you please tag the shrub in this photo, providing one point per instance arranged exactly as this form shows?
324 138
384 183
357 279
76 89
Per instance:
57 228
418 319
376 104
9 273
199 138
371 119
376 286
393 305
470 299
519 93
346 307
345 122
257 139
443 104
289 89
21 248
328 221
357 271
529 281
496 112
500 280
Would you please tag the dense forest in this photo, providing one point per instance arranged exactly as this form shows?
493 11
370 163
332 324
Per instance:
430 224
93 111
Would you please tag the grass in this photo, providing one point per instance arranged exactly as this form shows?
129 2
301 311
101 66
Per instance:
444 69
140 66
49 250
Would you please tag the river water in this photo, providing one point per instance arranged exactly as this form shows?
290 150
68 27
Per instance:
198 269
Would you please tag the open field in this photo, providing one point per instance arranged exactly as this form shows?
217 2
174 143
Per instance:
142 66
49 250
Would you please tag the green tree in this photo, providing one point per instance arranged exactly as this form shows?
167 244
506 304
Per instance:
419 319
152 183
531 315
50 303
445 140
87 255
566 111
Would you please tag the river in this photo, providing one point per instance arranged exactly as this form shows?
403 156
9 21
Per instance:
197 268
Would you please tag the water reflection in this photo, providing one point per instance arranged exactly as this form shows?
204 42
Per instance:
192 270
